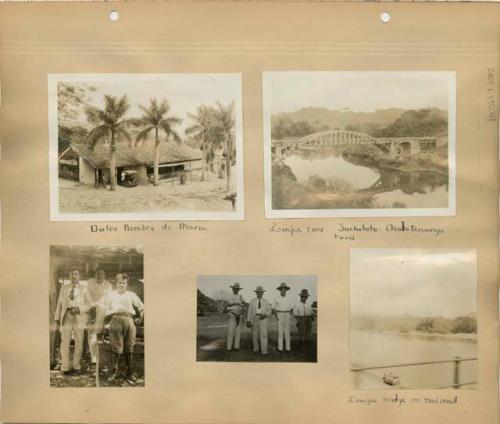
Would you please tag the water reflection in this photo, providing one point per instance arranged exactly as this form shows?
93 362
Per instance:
331 165
389 187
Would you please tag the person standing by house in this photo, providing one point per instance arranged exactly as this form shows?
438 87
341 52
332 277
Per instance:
99 288
282 307
120 311
259 310
304 315
234 309
72 306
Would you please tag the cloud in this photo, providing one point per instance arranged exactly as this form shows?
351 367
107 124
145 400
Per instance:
416 281
358 91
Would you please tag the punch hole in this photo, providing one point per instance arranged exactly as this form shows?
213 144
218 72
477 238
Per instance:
385 17
114 16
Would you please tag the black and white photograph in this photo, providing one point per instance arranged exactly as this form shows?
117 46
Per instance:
359 144
145 147
257 318
96 313
413 320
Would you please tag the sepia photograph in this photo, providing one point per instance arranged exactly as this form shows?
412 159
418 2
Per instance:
96 314
145 147
257 318
413 320
359 144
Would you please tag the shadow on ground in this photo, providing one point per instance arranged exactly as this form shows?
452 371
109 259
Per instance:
88 379
211 343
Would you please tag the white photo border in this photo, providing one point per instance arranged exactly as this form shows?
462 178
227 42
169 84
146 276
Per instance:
268 77
234 79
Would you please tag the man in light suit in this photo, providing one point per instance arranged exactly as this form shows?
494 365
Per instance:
234 309
282 307
259 310
71 313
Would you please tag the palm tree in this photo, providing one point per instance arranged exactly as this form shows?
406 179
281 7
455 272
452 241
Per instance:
156 118
224 131
108 123
202 130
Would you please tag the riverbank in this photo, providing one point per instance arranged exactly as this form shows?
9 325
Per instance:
463 337
435 161
360 177
316 193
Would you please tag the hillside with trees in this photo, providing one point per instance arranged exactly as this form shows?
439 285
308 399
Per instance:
380 123
466 324
206 304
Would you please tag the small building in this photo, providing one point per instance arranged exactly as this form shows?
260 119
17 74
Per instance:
90 166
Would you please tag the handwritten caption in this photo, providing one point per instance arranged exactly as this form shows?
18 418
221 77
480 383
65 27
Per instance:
345 232
147 228
401 400
491 95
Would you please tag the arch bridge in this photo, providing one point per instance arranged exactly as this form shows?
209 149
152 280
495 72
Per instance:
398 145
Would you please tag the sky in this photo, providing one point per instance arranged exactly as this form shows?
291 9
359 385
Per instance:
364 92
413 281
211 285
184 92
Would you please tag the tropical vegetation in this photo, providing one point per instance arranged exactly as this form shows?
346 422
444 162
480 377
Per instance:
212 128
156 119
381 123
109 124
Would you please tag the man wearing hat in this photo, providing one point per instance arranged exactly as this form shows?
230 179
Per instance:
72 306
259 310
304 315
282 307
234 309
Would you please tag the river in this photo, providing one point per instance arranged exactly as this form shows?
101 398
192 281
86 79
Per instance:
394 188
371 348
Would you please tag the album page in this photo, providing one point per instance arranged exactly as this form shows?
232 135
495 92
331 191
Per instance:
240 212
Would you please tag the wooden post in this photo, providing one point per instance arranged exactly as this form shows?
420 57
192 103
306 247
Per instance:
456 376
97 365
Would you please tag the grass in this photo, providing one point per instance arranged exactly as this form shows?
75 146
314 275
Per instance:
211 343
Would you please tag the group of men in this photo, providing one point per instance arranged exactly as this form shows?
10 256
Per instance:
258 313
93 307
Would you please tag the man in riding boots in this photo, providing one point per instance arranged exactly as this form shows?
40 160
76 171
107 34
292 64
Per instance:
120 311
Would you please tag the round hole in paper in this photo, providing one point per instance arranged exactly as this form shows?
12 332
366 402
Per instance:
385 17
114 15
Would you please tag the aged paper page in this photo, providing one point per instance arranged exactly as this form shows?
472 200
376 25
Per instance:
249 212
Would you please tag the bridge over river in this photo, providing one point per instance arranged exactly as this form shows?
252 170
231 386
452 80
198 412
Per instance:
406 146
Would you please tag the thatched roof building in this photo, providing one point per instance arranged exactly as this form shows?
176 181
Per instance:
79 162
130 155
